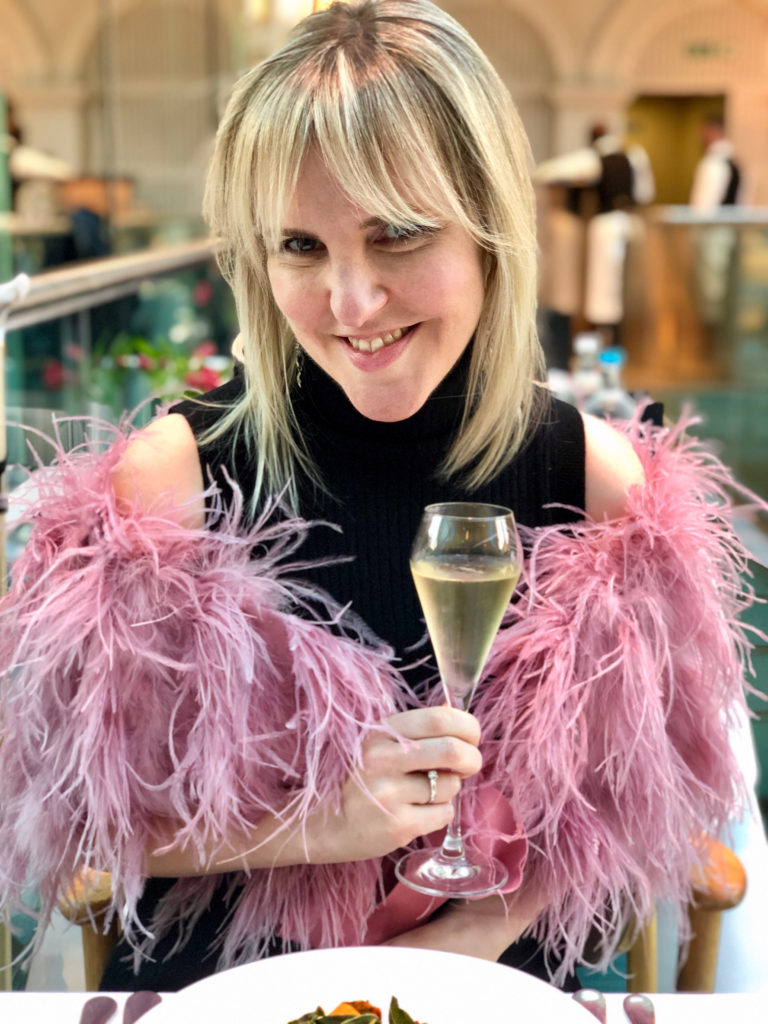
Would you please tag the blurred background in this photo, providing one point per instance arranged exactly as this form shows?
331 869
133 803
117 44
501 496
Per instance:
112 106
648 122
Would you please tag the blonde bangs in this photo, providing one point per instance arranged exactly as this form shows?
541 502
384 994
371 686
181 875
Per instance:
378 143
415 125
383 152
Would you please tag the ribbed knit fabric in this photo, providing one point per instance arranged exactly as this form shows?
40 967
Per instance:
380 476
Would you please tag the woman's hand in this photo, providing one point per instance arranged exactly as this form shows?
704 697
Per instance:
385 804
481 928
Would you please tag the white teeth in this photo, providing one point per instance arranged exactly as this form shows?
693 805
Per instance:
374 344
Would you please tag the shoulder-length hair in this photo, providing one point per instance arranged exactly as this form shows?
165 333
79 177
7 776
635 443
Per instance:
412 120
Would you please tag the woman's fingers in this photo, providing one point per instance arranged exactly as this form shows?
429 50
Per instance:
423 792
389 800
445 753
425 723
415 741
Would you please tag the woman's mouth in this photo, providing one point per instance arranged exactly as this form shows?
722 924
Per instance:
380 341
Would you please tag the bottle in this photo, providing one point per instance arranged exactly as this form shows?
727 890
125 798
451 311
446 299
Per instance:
610 400
586 377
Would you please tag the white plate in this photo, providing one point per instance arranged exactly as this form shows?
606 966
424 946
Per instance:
434 988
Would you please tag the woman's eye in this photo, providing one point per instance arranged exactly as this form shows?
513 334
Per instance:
403 233
299 244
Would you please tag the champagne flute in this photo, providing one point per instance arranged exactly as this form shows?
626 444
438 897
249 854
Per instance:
465 563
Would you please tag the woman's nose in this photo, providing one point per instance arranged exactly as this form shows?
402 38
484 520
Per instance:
357 293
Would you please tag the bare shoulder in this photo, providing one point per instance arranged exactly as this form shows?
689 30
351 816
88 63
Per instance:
161 467
612 467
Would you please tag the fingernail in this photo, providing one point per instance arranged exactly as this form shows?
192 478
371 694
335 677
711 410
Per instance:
639 1009
98 1010
137 1004
593 1001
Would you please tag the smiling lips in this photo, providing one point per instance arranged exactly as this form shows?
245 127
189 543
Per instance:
374 344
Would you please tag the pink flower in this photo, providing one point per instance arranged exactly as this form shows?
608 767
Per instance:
203 293
205 349
53 375
204 379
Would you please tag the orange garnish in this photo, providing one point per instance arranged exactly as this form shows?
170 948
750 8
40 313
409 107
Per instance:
357 1006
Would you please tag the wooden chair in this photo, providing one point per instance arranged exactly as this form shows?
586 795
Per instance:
6 955
85 903
718 886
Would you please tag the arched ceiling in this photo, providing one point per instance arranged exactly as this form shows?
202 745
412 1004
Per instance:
636 32
514 34
23 45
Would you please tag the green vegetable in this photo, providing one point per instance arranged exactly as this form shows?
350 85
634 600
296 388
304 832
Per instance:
396 1016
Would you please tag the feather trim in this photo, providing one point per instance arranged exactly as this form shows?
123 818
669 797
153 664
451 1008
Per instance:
154 669
157 671
609 694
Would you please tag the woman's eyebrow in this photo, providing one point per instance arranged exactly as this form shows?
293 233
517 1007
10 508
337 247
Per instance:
370 222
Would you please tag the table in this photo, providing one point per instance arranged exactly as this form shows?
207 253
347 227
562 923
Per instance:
741 1008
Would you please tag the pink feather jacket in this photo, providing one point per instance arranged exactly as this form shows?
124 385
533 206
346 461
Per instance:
153 672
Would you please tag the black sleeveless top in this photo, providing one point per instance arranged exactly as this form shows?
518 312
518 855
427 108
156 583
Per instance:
379 476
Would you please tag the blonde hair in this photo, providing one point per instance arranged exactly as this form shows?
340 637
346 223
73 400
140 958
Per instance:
391 93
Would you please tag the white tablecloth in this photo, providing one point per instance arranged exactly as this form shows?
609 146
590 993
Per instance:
65 1008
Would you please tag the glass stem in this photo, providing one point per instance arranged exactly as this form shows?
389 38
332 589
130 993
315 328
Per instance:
453 843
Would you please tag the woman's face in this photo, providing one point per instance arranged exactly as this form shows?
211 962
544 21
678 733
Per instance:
386 314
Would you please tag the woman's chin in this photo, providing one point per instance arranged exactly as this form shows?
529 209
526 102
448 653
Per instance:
386 407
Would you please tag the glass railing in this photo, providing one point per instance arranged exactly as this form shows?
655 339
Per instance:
90 342
697 337
93 340
696 327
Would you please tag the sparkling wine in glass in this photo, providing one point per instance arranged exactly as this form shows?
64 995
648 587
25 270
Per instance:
465 563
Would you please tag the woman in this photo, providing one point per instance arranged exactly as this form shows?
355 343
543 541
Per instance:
247 755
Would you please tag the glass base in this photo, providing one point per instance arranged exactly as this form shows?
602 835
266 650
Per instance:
435 874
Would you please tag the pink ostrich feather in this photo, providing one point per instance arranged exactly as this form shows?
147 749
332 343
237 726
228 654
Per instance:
156 672
153 671
609 694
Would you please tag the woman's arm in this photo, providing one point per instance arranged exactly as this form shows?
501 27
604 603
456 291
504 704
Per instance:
485 928
612 467
161 470
383 802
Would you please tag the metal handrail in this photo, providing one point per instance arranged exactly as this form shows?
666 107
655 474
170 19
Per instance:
56 293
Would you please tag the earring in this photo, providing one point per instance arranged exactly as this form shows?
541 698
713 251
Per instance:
299 361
